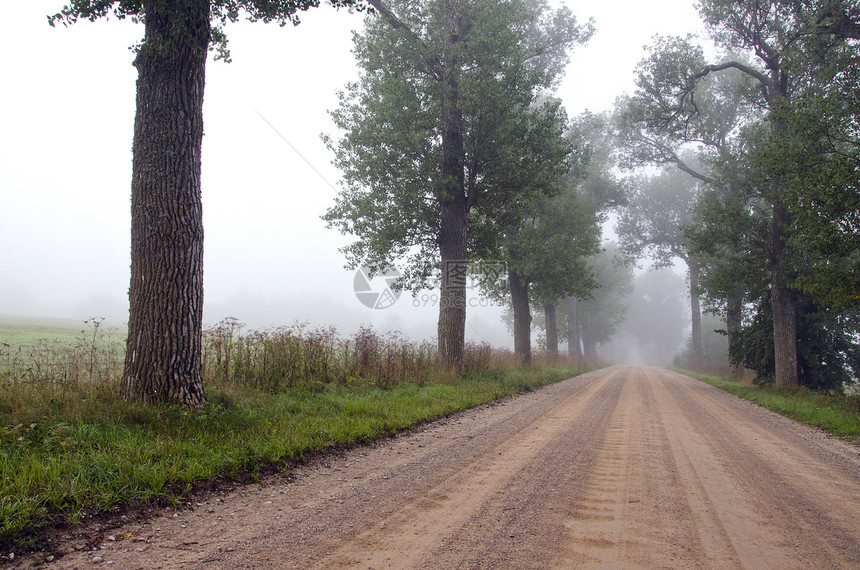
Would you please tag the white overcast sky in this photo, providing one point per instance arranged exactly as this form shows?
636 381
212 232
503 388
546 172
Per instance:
66 118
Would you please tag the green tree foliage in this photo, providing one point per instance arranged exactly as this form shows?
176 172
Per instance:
822 161
220 13
796 47
547 256
163 355
446 137
548 244
828 353
729 233
769 141
652 223
601 190
664 123
827 333
598 181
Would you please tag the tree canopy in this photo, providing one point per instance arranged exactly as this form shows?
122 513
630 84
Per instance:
768 122
447 134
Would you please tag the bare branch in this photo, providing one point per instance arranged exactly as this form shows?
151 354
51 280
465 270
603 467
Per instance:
672 157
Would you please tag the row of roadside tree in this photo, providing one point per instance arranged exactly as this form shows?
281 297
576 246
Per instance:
760 189
454 150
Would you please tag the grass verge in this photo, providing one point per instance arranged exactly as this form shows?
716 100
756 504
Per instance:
65 463
833 414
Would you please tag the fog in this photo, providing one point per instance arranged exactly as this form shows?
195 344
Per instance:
65 165
657 322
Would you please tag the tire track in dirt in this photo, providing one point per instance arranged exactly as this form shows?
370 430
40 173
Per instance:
523 520
719 514
775 484
725 484
419 526
632 512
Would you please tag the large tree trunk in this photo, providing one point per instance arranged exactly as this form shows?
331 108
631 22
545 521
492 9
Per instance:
452 306
551 330
454 206
589 345
163 354
696 315
734 320
782 304
574 349
522 317
781 297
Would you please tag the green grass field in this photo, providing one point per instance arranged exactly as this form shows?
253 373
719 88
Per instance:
24 332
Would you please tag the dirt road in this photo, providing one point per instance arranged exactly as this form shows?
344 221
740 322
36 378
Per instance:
623 467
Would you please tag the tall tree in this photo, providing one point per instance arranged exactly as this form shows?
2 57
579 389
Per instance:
786 40
600 189
547 241
163 355
653 222
574 341
730 233
786 59
657 126
547 259
445 99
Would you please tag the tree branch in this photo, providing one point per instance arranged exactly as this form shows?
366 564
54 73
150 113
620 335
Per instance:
742 67
842 25
433 64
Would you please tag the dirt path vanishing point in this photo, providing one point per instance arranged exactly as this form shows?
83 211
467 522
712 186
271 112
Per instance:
623 467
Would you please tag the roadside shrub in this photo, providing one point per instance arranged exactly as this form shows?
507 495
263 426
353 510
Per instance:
275 359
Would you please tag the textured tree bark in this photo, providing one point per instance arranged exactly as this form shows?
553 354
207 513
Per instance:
163 355
696 315
574 348
782 304
452 306
781 298
551 330
522 317
454 206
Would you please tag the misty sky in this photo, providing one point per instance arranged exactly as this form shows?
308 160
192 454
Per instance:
66 117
